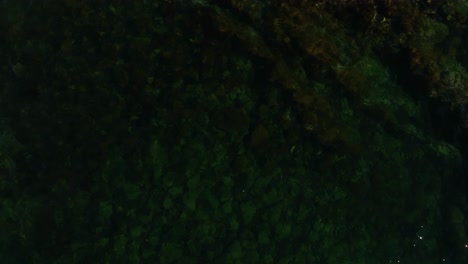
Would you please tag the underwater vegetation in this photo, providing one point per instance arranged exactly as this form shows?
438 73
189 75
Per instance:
233 131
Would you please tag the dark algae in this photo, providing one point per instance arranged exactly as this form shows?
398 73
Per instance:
237 131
